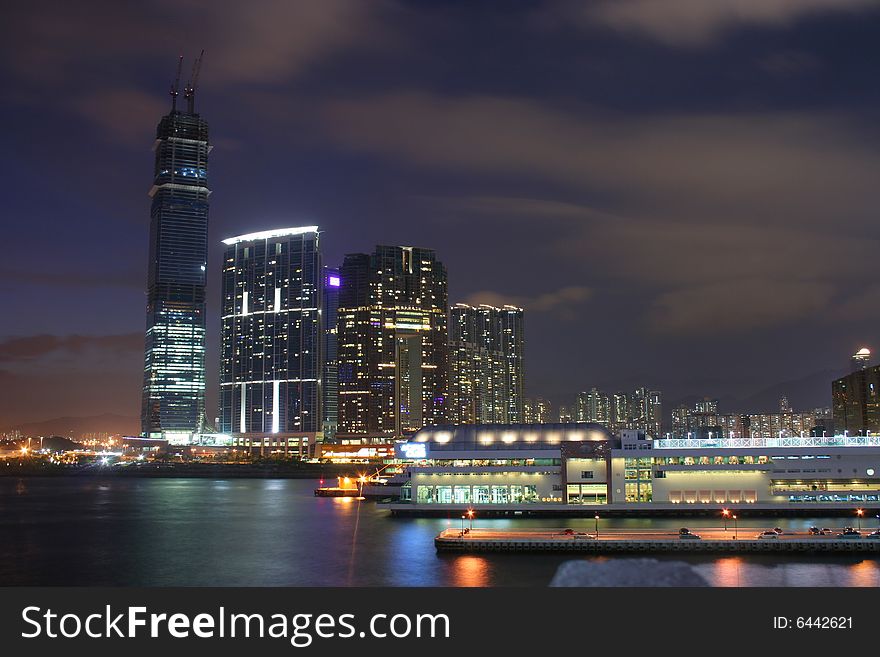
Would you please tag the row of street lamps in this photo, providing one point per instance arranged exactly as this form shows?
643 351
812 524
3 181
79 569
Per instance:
725 514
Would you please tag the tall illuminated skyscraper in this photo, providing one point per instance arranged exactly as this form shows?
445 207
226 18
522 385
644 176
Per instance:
271 359
392 342
486 364
332 283
173 401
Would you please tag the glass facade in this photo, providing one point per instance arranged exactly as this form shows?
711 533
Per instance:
271 356
173 399
638 480
489 494
587 493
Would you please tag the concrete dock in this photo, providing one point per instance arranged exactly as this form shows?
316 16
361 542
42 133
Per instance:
609 541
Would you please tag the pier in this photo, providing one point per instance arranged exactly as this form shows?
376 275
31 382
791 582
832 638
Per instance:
711 540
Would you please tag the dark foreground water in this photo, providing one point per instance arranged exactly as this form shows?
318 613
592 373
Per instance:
250 532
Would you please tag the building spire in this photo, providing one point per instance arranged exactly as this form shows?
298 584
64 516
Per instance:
176 85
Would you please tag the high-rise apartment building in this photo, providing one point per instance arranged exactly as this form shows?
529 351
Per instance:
856 402
173 399
271 360
593 406
537 411
680 416
486 364
706 405
392 342
647 411
621 411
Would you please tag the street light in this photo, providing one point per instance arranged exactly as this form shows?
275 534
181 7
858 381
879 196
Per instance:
859 514
725 513
734 527
462 526
470 514
597 525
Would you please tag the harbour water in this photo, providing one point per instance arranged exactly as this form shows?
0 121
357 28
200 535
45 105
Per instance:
86 531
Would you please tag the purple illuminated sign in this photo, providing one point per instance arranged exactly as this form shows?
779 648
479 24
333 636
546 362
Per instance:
333 281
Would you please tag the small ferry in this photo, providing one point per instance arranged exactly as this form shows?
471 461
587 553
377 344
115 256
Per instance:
345 487
362 486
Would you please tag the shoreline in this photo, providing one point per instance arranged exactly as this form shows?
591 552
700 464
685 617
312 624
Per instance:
176 471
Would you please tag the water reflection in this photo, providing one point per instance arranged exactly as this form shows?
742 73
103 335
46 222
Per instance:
148 532
470 570
724 572
864 573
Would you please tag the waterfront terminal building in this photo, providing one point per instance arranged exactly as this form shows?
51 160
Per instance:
545 467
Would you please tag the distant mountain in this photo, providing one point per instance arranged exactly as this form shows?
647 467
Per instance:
804 394
77 427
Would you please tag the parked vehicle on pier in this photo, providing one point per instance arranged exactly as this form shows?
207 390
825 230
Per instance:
769 534
849 532
686 533
874 534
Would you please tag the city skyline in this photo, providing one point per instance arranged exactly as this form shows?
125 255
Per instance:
745 281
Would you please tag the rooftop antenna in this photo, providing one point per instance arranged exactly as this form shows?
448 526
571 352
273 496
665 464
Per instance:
190 92
176 85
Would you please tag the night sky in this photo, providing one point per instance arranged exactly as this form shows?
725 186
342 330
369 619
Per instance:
682 194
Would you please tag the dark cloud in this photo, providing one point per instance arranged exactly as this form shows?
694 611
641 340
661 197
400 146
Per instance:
561 300
36 346
80 278
700 23
258 41
127 116
755 164
91 65
737 306
789 63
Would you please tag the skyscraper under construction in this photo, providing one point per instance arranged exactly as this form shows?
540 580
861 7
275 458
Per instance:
173 404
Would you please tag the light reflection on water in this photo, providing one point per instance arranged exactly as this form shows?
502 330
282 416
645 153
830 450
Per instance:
191 532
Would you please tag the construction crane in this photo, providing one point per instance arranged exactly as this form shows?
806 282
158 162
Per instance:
175 87
190 92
